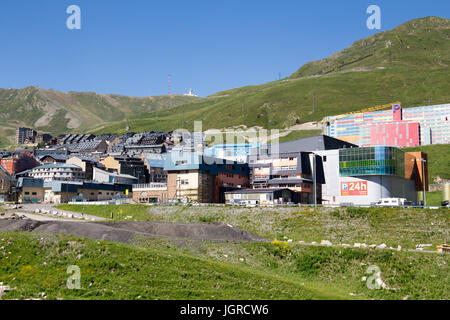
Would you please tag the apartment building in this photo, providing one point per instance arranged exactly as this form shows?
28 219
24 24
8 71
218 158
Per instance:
194 177
25 135
293 170
86 164
58 171
127 165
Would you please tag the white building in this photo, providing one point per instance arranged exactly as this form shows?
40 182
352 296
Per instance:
363 176
58 171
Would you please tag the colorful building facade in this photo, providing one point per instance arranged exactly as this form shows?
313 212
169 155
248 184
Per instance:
399 127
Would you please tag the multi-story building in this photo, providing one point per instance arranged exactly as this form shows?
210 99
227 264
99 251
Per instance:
150 193
6 185
58 171
262 197
155 167
127 165
396 127
86 164
363 176
194 177
113 177
294 170
18 162
238 152
38 190
24 135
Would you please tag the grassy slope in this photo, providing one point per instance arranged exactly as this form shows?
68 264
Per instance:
372 226
26 106
183 269
35 264
435 198
438 156
415 66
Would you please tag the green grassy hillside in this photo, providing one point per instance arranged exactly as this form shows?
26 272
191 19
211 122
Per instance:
407 64
368 225
58 112
186 269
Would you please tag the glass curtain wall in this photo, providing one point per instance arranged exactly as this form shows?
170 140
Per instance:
371 161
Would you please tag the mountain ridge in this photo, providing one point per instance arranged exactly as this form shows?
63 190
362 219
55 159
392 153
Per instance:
409 63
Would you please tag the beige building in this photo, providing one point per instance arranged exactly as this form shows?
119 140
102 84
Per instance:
150 193
191 186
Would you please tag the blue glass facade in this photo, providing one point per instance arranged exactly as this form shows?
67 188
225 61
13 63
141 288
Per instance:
378 160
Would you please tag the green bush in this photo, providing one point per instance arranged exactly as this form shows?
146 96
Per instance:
312 261
354 212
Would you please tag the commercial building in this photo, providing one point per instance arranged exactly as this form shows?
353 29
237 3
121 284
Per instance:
363 176
399 127
38 191
262 197
150 193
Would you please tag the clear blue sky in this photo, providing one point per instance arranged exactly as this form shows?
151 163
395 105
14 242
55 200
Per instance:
129 47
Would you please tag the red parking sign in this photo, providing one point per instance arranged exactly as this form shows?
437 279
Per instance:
354 188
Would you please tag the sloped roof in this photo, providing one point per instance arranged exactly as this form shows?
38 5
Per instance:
314 143
4 170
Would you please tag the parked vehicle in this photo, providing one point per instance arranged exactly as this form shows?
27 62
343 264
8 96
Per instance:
393 202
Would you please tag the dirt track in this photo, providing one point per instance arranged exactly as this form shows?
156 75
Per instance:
125 232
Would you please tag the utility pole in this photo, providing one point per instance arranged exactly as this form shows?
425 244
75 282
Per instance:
315 180
182 119
424 183
429 99
157 111
243 108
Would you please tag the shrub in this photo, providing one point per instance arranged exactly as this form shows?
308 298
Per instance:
353 212
311 262
280 249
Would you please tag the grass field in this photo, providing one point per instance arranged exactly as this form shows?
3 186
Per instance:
435 198
405 227
36 267
34 264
